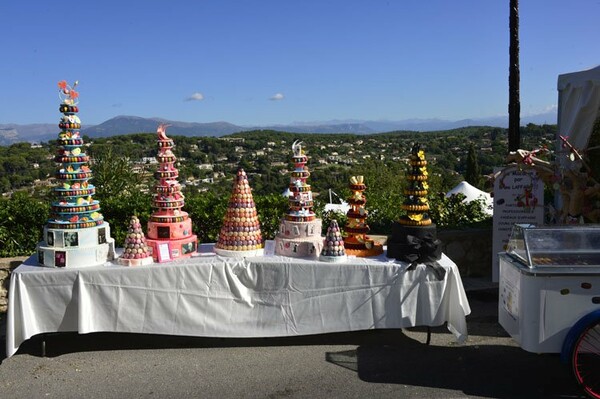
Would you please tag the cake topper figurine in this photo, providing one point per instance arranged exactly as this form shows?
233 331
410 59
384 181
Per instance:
161 131
67 94
297 148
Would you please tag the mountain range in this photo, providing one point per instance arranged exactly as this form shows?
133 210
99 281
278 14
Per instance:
120 125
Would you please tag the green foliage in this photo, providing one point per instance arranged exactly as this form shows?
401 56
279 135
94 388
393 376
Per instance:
271 209
21 224
383 209
118 210
207 211
452 212
113 174
328 216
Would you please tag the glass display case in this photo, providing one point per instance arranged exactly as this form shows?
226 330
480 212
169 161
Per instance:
549 279
555 246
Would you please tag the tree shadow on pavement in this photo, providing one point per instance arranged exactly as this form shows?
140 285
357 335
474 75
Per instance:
494 371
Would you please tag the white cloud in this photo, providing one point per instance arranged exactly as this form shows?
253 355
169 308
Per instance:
277 97
532 111
197 96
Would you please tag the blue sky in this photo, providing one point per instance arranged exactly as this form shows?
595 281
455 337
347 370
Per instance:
281 61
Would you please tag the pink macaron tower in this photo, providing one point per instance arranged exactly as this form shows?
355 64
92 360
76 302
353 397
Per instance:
135 250
170 228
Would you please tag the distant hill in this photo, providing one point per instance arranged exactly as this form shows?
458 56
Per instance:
12 133
38 132
132 124
350 128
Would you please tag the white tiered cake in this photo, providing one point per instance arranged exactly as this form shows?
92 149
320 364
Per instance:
300 230
76 234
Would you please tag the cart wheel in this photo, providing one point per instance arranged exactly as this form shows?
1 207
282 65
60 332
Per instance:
585 360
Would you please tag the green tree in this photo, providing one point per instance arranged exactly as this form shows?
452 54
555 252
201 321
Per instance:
113 175
473 173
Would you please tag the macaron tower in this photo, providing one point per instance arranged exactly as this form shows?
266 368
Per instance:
357 242
169 228
415 223
299 231
333 248
76 234
240 234
135 251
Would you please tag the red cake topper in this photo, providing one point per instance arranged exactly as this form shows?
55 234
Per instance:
67 93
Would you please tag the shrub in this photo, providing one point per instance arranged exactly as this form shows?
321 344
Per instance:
453 212
22 219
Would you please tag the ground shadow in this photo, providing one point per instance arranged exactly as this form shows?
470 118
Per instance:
58 344
493 371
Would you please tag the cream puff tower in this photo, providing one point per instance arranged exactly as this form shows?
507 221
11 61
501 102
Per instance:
240 234
169 228
76 234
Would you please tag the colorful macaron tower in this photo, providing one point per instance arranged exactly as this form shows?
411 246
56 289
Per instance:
357 242
415 227
240 234
299 231
333 247
76 234
169 228
135 251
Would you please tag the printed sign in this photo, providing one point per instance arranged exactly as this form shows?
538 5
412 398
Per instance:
518 198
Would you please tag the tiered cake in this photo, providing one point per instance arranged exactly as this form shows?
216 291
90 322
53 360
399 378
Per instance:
300 230
357 242
76 234
415 225
240 234
169 228
333 248
135 252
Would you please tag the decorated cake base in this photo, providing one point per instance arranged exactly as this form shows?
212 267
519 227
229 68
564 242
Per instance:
135 262
87 247
400 247
298 247
299 239
181 227
239 254
333 259
375 250
164 250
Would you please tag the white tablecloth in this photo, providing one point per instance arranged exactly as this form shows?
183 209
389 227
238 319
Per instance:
225 297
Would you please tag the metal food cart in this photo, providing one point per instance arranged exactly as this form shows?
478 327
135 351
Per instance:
549 295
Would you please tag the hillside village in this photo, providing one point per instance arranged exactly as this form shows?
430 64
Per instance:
206 163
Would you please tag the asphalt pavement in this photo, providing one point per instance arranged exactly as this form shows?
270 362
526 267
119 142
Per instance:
377 364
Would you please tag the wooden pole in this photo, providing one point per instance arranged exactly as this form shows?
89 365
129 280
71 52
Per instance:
514 104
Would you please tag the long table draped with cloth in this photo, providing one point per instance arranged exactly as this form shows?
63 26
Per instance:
213 296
